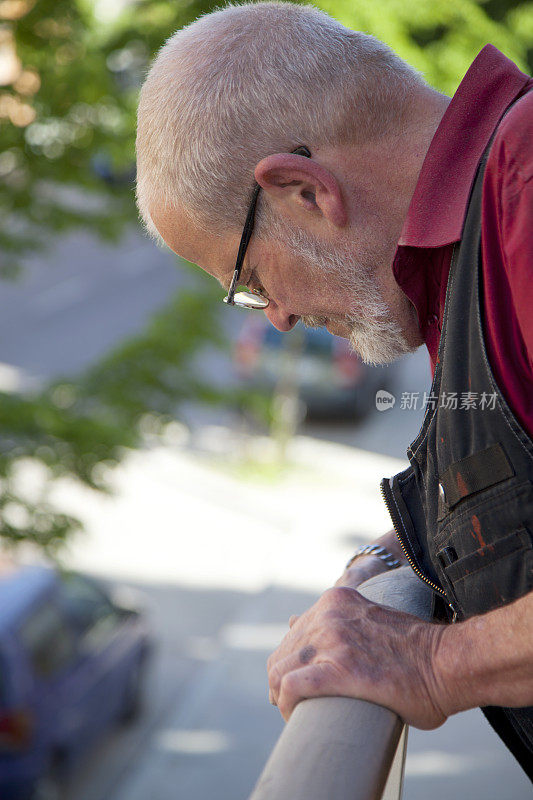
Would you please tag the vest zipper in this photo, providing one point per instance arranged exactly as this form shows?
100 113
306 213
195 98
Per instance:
384 486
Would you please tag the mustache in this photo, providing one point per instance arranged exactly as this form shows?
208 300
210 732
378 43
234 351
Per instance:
312 321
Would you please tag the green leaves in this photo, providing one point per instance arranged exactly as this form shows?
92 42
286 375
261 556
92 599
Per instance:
67 117
80 428
67 138
441 38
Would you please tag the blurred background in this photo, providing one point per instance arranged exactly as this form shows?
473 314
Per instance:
176 478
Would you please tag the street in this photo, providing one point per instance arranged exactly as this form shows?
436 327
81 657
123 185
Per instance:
223 549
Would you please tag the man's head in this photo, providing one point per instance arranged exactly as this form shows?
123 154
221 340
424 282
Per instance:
227 100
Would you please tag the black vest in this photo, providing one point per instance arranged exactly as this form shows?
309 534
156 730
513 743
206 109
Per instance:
463 510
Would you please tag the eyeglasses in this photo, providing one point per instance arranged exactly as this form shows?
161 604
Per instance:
251 298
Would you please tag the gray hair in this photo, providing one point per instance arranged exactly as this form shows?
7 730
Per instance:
250 80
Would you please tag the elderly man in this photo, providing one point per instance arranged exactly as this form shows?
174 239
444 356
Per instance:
394 216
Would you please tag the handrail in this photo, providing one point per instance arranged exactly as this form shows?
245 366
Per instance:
341 748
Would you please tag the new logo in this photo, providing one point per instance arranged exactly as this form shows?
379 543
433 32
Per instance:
384 400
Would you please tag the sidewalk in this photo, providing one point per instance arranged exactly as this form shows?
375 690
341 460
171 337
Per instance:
228 551
193 518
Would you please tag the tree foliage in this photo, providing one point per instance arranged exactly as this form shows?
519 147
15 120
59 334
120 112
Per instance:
67 107
441 38
68 93
81 427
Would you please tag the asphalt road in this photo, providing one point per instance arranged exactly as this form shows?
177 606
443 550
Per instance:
74 302
207 728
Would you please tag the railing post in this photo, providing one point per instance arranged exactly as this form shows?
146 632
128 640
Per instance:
339 748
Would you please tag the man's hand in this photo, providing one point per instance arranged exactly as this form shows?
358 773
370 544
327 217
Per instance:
347 646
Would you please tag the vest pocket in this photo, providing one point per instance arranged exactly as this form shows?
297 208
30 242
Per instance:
471 475
483 549
493 575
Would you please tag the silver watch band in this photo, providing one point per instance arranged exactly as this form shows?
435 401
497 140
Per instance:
376 550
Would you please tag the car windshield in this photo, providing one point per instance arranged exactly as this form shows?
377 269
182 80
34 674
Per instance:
82 601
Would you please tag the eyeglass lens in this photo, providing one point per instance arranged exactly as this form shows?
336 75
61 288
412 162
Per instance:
250 300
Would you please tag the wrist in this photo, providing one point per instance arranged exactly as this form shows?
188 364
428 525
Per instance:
377 550
459 682
362 569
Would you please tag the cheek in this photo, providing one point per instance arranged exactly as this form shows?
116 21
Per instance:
290 281
278 278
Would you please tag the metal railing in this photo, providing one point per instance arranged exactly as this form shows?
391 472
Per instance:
339 748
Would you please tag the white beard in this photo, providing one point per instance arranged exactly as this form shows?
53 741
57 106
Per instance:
374 334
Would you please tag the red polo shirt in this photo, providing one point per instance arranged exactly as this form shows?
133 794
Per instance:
435 218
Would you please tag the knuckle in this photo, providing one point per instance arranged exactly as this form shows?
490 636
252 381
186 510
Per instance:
330 598
337 596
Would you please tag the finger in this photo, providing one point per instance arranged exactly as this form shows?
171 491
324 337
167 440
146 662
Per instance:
274 680
295 660
294 618
314 680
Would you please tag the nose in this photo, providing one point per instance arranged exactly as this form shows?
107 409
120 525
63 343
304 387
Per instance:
279 318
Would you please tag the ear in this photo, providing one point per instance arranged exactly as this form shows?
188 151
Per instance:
303 185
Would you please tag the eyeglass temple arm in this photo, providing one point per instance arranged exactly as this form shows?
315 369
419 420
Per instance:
248 229
245 238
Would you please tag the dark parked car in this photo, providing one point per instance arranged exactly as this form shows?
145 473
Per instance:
332 380
72 662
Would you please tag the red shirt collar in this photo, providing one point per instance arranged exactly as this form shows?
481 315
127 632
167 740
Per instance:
435 215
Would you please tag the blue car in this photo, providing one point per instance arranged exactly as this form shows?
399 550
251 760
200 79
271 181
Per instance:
72 662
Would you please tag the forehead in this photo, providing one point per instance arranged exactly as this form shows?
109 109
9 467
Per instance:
214 254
